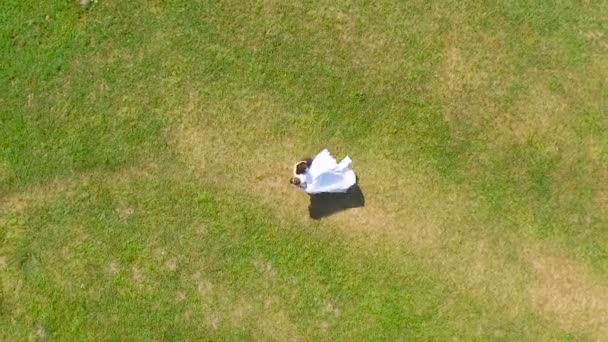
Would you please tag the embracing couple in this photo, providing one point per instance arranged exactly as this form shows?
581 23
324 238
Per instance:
323 174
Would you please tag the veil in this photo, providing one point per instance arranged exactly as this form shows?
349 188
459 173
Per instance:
325 175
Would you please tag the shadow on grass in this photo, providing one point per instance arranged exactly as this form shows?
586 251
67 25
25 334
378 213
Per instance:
326 204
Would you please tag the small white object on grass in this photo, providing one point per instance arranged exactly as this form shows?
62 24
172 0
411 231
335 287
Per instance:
86 3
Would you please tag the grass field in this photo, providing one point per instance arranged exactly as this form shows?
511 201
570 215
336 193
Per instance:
145 148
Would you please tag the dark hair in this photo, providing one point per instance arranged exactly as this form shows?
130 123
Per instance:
301 167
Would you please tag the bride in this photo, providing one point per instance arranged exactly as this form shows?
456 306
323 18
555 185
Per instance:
324 174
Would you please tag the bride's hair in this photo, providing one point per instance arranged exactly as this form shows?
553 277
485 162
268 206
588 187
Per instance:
301 167
294 181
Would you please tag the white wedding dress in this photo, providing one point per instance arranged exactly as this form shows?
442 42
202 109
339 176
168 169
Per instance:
326 175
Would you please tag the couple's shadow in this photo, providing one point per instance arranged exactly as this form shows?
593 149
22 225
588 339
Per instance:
326 204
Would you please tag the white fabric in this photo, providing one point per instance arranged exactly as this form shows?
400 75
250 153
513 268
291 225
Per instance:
325 175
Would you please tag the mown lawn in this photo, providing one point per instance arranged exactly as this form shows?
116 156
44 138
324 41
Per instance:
145 148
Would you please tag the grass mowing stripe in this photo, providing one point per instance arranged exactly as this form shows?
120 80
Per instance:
191 254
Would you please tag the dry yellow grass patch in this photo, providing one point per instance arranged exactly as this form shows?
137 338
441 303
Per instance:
237 157
19 201
461 73
216 162
537 113
137 276
597 38
113 268
272 324
587 83
340 22
473 63
3 263
568 293
39 333
5 172
264 317
474 83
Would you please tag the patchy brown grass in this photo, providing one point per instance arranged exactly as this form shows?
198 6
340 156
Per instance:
171 264
273 324
597 38
538 113
19 201
125 213
39 333
137 276
3 263
113 268
479 91
471 68
566 292
341 22
264 317
42 194
5 172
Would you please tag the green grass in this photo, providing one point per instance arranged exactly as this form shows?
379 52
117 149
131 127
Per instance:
222 254
145 147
